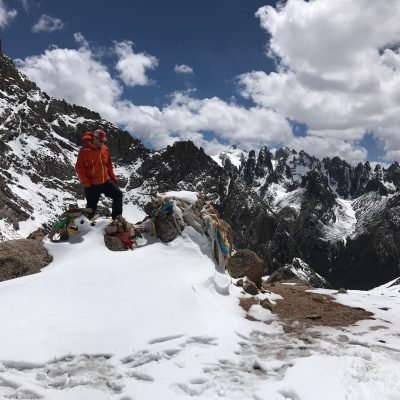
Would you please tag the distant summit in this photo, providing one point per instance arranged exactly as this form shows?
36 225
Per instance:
235 155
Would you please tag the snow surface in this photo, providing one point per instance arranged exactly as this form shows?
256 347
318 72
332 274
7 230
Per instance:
151 324
282 198
190 197
344 225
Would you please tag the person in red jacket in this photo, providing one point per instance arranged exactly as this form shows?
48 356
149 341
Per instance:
95 171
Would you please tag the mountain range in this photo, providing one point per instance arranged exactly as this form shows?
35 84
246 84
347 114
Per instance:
342 220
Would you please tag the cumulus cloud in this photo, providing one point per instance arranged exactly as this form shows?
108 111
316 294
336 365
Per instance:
79 76
74 75
132 66
189 118
6 15
183 69
330 146
47 23
335 72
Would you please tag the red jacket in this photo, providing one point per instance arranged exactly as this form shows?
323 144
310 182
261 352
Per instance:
94 166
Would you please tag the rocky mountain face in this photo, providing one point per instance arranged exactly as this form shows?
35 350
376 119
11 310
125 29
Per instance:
39 140
343 221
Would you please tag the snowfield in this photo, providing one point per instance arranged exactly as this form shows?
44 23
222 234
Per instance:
159 322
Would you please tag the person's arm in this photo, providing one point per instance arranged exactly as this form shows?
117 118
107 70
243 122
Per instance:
81 171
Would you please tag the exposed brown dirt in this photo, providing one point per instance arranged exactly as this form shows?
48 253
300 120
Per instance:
310 309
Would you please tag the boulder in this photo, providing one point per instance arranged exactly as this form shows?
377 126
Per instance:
282 274
246 263
250 288
36 235
266 303
114 243
299 270
22 257
166 228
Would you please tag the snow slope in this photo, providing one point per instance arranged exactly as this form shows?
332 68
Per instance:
158 323
233 153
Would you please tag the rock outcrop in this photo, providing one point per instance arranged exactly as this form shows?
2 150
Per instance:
22 257
299 270
246 263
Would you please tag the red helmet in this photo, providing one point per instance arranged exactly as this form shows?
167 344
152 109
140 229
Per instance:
87 136
100 135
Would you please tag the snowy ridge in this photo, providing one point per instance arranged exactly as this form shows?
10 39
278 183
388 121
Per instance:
282 198
150 324
368 208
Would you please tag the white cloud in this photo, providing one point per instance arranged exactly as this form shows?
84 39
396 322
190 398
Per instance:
47 23
183 69
331 147
133 66
79 77
75 76
186 117
338 73
6 16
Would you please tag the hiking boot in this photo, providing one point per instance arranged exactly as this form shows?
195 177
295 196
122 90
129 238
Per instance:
120 219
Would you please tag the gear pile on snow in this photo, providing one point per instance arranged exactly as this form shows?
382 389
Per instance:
168 215
66 225
120 235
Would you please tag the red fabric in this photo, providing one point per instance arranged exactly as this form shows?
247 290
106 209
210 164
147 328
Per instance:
87 135
125 238
94 166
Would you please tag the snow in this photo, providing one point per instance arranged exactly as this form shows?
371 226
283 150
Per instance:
217 160
345 223
299 171
283 199
151 323
233 153
185 195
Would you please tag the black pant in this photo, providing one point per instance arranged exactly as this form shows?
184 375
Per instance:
109 189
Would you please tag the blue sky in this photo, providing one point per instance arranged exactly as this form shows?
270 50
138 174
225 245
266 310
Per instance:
308 75
176 32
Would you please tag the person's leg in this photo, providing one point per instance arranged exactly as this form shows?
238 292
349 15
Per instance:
110 189
92 194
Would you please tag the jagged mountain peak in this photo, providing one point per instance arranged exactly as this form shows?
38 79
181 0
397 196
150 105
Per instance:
283 152
288 167
234 154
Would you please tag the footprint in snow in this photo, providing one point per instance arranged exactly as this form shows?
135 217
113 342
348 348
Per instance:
140 376
164 339
203 340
